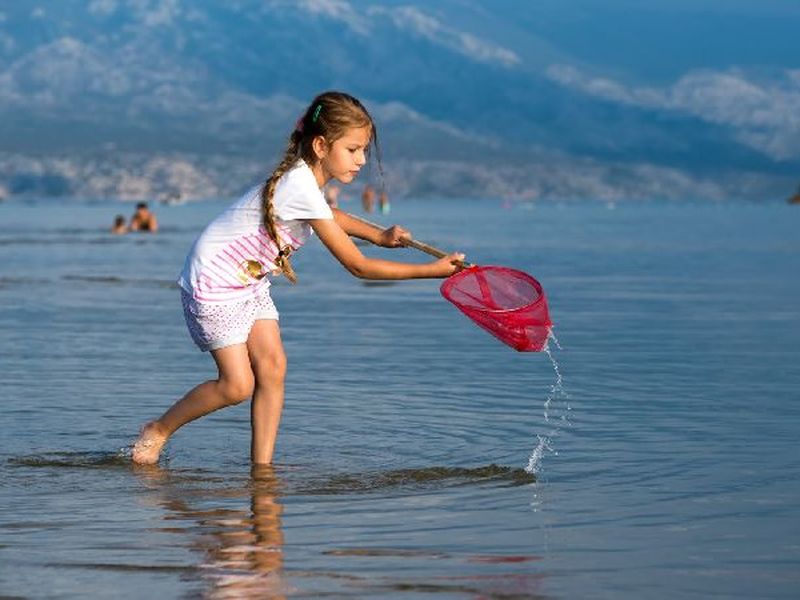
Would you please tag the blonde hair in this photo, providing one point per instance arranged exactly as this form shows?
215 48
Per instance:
330 115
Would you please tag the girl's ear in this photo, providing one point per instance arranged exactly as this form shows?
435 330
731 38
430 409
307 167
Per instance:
319 146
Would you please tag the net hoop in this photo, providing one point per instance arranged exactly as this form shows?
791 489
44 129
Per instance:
453 280
481 293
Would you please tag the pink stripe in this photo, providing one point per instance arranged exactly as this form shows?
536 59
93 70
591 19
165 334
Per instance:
216 279
262 256
269 253
219 295
252 247
295 243
283 231
226 279
238 244
288 233
235 262
235 250
201 296
227 261
218 298
243 250
240 294
204 298
204 284
216 288
223 277
267 247
222 269
263 237
211 277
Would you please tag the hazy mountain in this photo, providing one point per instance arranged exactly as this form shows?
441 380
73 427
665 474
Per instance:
478 98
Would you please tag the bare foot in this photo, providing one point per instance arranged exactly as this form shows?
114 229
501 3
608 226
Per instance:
148 447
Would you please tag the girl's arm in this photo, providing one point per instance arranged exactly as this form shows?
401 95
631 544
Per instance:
390 238
337 240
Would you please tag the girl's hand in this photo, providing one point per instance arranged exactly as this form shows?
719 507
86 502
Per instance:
393 237
452 263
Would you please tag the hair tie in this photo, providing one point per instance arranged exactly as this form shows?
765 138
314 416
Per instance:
316 113
298 126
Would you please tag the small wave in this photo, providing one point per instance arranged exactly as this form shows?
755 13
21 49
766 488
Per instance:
114 280
73 460
50 241
385 552
124 567
80 237
15 281
95 279
364 482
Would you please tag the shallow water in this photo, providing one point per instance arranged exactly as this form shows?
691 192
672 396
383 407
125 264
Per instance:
670 468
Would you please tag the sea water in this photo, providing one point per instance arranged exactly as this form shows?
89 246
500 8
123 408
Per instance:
404 468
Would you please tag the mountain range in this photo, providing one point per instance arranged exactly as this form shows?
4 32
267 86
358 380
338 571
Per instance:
152 98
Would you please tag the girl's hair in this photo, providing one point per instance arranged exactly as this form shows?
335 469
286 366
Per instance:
330 115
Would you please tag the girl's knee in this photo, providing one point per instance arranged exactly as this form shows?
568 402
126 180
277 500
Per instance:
272 367
237 389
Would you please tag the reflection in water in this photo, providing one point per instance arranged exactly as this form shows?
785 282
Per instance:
242 549
232 527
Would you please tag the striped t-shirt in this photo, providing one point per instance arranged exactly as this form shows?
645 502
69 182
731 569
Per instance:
230 259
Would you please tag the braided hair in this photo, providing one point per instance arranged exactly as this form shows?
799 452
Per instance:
330 115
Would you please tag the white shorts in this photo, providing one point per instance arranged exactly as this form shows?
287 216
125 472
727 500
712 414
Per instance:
214 326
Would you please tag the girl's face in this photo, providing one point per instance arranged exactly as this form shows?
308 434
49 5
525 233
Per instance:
344 158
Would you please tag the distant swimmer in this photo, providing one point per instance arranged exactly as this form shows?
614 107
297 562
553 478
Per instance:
143 219
368 198
119 227
332 195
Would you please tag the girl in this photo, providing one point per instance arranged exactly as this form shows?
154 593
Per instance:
225 285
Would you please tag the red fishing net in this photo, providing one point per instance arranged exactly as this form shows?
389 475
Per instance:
507 303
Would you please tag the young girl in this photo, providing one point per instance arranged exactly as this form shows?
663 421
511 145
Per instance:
225 284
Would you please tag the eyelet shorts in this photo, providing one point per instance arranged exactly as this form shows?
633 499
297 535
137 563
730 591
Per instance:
214 326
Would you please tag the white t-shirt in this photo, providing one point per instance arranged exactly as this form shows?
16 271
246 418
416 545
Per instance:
227 262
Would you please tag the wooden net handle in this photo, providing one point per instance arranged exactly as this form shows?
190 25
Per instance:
410 242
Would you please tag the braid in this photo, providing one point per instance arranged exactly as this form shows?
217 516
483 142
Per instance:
290 157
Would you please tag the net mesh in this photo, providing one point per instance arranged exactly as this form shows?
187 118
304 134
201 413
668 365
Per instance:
507 303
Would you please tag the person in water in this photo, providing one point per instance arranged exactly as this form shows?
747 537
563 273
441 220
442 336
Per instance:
119 227
332 195
225 282
368 198
383 202
143 219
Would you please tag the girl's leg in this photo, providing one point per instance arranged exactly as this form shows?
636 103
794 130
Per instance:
234 384
269 365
